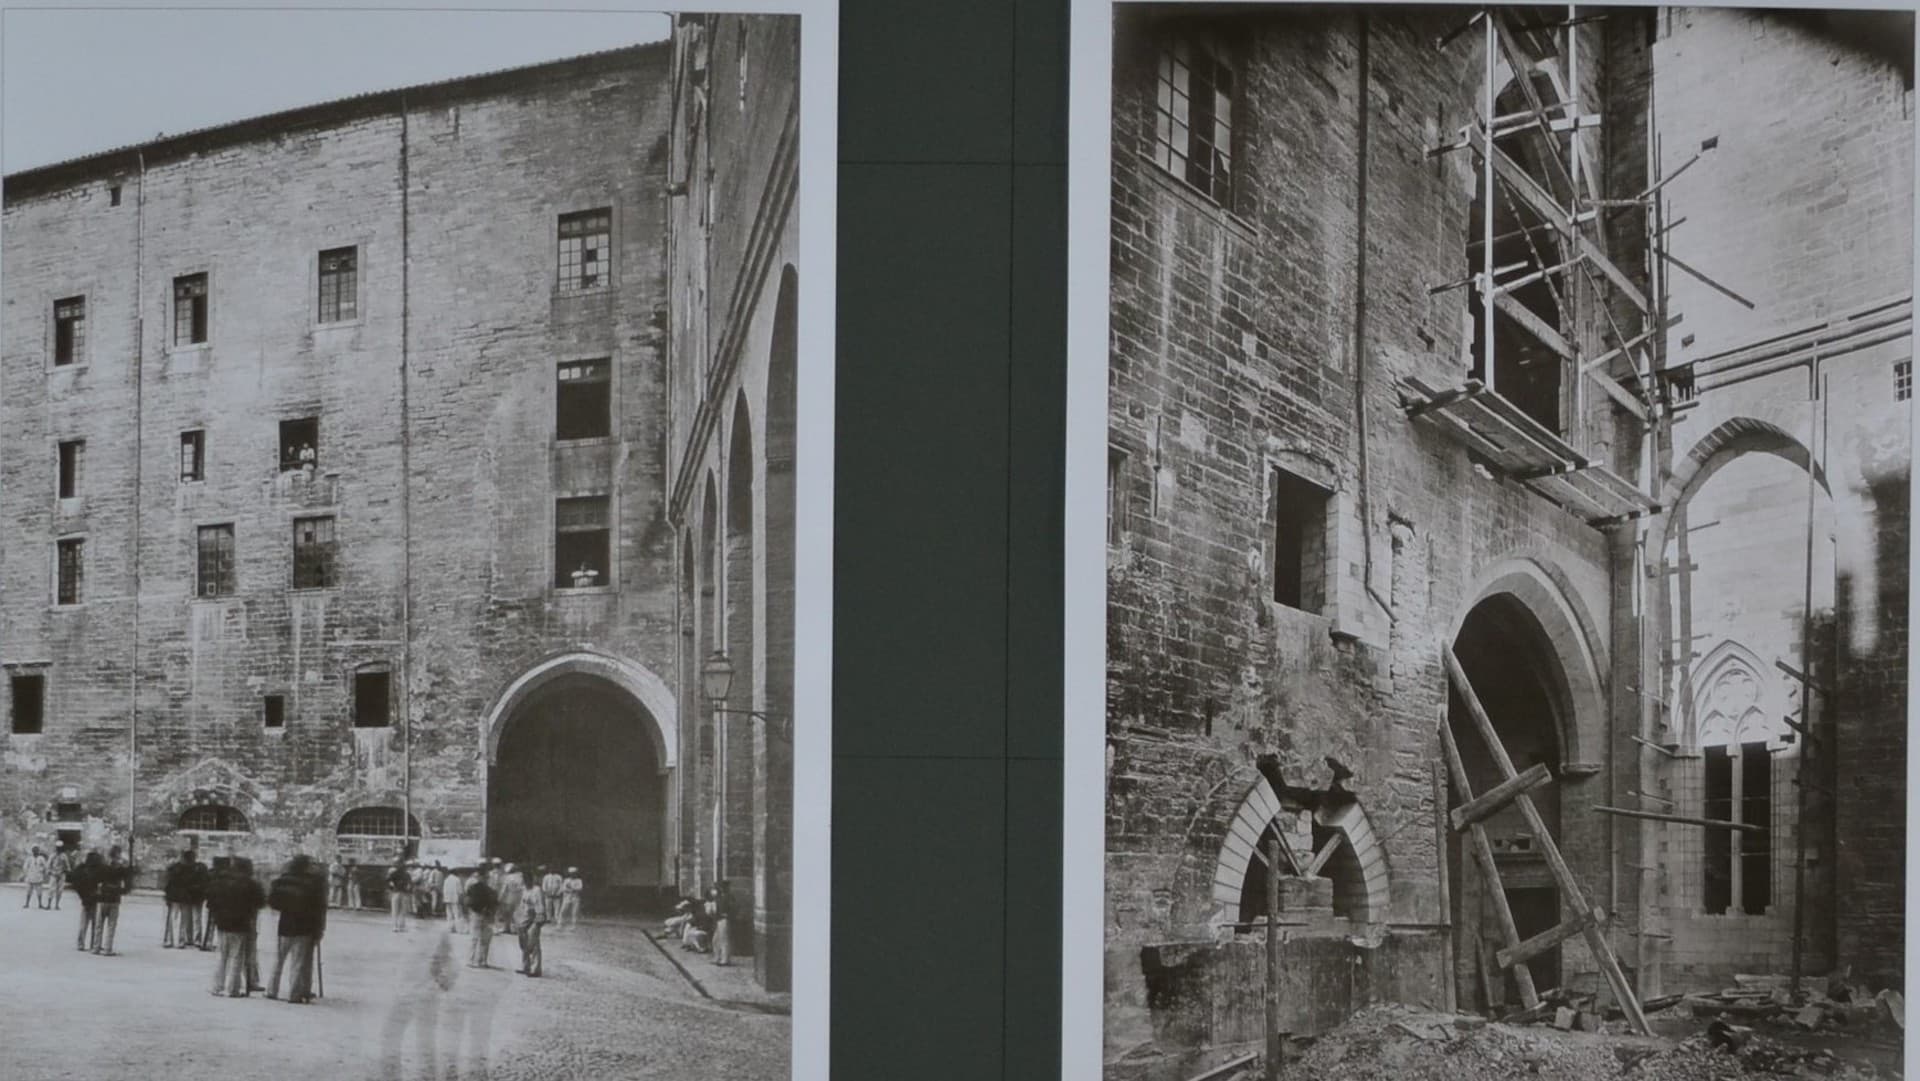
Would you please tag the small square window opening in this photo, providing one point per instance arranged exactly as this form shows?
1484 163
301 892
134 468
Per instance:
72 453
69 330
1903 380
29 713
339 284
190 309
1299 542
300 444
313 553
72 570
582 400
580 543
274 711
193 455
113 195
215 561
585 247
370 704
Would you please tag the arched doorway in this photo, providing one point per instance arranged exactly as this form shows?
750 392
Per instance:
580 776
1509 660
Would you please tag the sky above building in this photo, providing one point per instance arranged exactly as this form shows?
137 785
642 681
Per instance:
76 82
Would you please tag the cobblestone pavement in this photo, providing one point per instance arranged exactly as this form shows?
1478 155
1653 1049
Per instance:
397 1007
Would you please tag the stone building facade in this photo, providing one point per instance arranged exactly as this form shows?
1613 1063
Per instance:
1297 529
335 483
734 252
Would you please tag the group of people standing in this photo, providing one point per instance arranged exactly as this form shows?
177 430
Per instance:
99 883
228 900
704 924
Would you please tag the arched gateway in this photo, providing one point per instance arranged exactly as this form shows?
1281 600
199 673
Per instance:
581 750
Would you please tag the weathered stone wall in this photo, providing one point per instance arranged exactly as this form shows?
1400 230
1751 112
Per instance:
436 453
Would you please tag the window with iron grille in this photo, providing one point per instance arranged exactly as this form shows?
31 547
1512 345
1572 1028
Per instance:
72 570
215 546
69 330
583 400
193 455
190 309
580 543
339 282
313 552
371 690
29 703
585 247
378 822
72 453
214 817
1193 115
274 711
1902 380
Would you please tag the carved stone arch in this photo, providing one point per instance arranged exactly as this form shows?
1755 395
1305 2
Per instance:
1725 692
1734 437
1359 869
646 688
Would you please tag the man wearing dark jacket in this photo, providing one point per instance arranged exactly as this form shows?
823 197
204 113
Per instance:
233 899
299 895
197 895
113 882
480 901
174 888
83 878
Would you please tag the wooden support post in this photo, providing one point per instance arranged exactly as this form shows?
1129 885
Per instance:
1570 890
1490 871
1276 1043
1489 803
1542 942
1449 994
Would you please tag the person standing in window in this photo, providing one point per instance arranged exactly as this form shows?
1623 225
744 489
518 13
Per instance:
36 878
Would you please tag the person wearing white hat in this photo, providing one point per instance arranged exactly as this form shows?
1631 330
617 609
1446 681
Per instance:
570 899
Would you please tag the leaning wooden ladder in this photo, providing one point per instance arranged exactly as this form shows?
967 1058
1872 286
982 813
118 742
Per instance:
1473 810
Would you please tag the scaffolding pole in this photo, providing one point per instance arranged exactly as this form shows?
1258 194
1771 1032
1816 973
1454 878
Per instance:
1816 435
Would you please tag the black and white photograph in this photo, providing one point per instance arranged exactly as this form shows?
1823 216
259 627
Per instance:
1491 658
415 508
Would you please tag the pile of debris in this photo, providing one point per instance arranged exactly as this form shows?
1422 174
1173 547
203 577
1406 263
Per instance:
1401 1042
1823 1003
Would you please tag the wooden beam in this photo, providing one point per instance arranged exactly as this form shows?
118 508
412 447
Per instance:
1493 800
1619 394
1684 820
1550 211
1321 857
1542 942
1535 325
1482 850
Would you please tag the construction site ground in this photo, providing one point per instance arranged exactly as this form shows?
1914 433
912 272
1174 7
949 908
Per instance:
1408 1044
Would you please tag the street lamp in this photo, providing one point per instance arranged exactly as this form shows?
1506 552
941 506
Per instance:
716 680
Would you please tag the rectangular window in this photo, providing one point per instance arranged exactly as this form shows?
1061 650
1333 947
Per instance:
1717 869
29 703
72 453
69 330
313 552
1299 542
1902 380
1756 846
274 711
193 455
189 309
585 245
72 570
370 690
339 284
1116 495
215 574
583 400
580 543
1193 116
299 444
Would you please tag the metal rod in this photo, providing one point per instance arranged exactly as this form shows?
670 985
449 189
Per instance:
1486 210
1814 403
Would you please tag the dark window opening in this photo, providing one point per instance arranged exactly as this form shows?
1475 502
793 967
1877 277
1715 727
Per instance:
299 444
274 711
313 553
1738 870
72 453
1902 380
29 703
339 281
113 195
1756 846
580 543
72 570
1299 542
67 811
1193 116
212 816
585 245
69 330
583 400
1718 866
1117 523
193 456
214 577
190 309
378 822
370 705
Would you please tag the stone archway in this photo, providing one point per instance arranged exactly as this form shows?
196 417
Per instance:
581 752
1358 866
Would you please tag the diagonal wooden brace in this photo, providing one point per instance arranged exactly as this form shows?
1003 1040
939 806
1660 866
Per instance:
1542 942
1495 799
